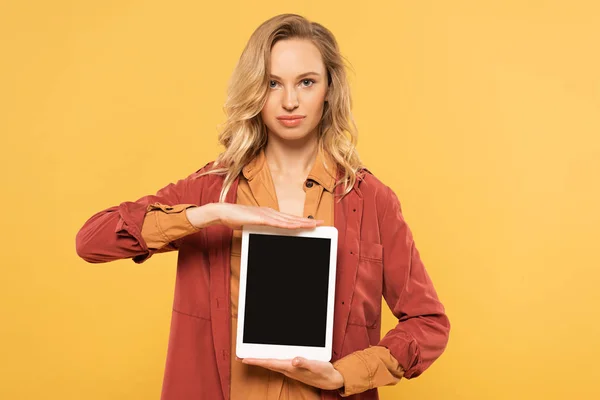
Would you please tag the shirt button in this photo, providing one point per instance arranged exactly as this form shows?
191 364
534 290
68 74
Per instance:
309 184
311 217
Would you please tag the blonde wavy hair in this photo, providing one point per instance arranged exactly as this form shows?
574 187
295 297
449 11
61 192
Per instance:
244 133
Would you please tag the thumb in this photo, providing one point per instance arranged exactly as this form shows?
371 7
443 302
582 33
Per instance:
300 362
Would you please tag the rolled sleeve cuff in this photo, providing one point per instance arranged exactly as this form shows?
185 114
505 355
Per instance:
367 369
164 223
356 373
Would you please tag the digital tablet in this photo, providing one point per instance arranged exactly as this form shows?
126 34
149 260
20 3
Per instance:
287 292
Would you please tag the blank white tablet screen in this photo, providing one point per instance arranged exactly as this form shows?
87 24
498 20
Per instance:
286 290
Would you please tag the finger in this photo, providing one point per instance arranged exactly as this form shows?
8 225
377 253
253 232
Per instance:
287 220
283 215
274 220
273 364
282 223
307 221
268 211
271 213
293 219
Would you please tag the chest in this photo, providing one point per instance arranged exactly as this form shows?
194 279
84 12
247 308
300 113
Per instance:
290 197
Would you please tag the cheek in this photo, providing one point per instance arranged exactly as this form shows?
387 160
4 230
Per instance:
315 105
268 109
315 99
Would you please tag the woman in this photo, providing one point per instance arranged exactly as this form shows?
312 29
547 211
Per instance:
289 161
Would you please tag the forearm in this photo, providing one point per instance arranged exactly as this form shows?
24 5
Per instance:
164 224
418 341
423 328
112 234
203 216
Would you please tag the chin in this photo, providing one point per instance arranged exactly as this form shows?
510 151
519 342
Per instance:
292 134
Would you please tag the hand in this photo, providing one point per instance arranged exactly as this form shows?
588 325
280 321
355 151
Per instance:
320 374
237 215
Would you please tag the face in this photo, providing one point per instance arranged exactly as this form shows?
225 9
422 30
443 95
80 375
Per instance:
297 88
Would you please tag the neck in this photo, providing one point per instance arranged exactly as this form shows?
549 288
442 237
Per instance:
291 159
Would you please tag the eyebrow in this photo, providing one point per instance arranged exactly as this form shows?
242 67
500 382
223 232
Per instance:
299 76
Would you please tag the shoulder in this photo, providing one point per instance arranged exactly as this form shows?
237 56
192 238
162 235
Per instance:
205 168
205 174
377 192
206 177
199 185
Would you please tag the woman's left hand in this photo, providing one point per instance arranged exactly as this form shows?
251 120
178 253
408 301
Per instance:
320 374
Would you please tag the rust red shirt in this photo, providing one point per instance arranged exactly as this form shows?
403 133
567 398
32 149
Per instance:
376 256
362 370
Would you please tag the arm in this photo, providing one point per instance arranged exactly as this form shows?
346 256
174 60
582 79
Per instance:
116 232
421 334
164 225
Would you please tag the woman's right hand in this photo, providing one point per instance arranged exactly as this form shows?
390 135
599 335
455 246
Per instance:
237 215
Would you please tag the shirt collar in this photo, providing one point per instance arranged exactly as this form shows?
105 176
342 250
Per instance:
323 172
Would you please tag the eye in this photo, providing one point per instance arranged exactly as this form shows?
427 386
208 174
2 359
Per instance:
270 84
308 80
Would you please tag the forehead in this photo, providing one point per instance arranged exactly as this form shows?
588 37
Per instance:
293 57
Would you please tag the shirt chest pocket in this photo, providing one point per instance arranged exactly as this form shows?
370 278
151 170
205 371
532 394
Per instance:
365 309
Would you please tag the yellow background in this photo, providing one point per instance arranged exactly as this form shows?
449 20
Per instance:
482 116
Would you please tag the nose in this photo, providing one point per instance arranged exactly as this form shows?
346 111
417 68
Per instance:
290 100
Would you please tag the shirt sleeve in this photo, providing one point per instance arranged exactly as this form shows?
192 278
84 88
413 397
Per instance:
115 232
367 369
422 331
164 224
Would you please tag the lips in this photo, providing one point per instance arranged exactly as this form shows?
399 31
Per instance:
290 121
289 117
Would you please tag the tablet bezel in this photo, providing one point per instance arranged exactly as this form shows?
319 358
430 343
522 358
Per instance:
252 350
